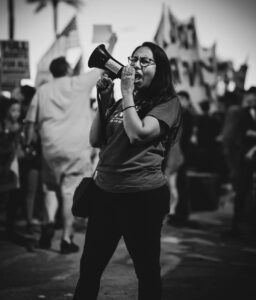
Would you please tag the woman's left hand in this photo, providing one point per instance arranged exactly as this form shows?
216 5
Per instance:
127 80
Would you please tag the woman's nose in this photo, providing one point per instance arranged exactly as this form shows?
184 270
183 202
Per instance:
137 65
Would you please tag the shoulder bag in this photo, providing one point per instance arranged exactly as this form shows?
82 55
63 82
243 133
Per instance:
83 197
85 191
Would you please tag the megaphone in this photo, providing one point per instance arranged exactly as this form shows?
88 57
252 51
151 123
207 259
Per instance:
101 59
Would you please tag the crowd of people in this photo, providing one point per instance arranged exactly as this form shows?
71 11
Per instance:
20 166
45 150
221 143
153 137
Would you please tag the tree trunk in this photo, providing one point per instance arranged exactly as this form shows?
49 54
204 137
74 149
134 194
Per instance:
55 17
11 19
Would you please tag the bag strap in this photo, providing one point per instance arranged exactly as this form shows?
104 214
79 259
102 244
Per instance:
103 120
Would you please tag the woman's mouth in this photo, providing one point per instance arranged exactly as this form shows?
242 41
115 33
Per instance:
138 77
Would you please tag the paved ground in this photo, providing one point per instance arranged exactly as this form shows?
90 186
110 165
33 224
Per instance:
197 264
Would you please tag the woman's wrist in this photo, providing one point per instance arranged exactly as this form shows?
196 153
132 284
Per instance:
127 101
128 107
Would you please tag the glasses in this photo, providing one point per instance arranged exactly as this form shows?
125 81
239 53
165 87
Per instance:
144 61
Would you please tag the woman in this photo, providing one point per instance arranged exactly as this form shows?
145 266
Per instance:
30 160
10 128
132 195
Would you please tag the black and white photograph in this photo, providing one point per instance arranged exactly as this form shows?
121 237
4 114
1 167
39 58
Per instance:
127 149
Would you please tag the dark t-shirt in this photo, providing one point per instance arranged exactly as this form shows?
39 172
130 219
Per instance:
124 167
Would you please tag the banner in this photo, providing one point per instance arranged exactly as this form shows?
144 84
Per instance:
196 69
179 40
14 63
240 76
208 64
66 41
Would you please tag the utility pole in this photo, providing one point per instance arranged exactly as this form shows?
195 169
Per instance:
55 16
11 18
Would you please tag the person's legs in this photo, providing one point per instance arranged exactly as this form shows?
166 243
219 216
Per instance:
67 188
102 237
174 193
11 210
50 191
68 184
183 207
141 219
50 206
32 184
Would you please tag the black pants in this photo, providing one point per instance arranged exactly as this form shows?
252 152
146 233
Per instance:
183 207
137 217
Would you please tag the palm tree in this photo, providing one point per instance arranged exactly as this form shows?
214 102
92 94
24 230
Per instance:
43 3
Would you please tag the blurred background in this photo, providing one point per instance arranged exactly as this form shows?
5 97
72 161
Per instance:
211 49
211 172
227 25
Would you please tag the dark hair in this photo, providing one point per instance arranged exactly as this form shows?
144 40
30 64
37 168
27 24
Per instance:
11 102
5 106
205 105
184 94
161 88
59 67
28 93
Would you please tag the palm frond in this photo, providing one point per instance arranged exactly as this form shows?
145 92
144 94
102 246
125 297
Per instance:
75 3
41 4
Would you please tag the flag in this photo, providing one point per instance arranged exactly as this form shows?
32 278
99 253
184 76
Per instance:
208 65
179 40
66 40
207 58
240 76
163 32
43 3
225 70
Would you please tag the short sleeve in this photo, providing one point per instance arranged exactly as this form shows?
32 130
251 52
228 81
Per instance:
167 112
31 116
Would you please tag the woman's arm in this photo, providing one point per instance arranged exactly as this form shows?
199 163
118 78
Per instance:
105 89
96 135
140 131
137 130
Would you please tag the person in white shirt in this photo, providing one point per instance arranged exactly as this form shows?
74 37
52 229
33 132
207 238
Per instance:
61 110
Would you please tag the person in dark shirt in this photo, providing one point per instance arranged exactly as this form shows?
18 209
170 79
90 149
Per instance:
207 131
182 211
132 195
239 140
244 183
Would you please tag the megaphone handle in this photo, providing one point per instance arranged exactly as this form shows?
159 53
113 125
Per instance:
102 118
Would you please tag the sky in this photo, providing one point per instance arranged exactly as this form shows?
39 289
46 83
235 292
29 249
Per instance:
229 23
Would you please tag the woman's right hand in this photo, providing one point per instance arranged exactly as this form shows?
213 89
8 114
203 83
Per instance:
105 87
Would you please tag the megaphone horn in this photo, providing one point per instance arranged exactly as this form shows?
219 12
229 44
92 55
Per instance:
101 59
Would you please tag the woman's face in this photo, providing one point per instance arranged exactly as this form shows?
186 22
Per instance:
143 74
17 94
14 112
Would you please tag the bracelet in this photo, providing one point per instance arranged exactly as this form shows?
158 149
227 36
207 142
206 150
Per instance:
128 107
